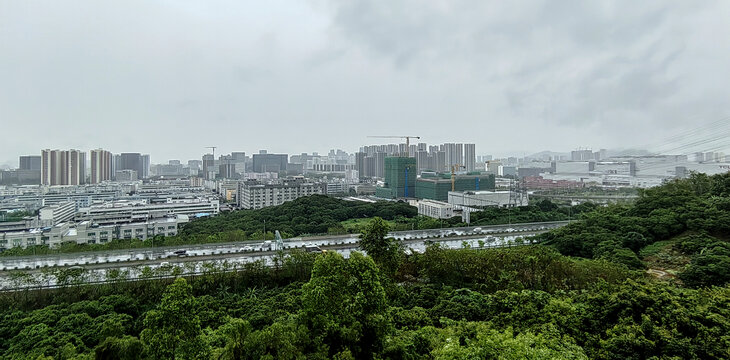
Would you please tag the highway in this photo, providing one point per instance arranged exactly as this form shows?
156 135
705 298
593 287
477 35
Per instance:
162 253
42 271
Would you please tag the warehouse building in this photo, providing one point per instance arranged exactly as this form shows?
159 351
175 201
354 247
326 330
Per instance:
437 186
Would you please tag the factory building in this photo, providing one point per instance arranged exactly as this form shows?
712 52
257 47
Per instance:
487 198
435 209
117 212
437 186
57 213
90 233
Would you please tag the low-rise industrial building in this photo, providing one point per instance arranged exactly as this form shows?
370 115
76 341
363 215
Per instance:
58 213
480 199
257 195
126 211
435 209
89 233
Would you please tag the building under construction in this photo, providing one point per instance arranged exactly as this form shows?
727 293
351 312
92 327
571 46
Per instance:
400 178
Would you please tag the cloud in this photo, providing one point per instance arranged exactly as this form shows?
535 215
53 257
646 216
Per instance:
172 77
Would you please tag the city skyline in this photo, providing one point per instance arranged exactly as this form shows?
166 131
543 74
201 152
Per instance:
327 74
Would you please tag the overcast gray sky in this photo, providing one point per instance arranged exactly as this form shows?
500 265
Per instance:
171 77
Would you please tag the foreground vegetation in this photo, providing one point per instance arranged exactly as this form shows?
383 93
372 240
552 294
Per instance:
519 303
585 295
690 218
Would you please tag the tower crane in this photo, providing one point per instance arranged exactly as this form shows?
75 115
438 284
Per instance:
408 139
453 174
212 148
205 169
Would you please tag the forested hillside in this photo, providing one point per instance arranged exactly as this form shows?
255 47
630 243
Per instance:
319 214
685 218
583 294
314 214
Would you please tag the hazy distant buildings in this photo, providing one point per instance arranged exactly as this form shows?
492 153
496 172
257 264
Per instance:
145 166
63 167
134 161
454 154
710 157
370 160
101 166
30 162
126 175
264 162
208 167
582 155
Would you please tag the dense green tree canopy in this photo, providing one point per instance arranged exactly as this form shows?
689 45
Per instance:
583 294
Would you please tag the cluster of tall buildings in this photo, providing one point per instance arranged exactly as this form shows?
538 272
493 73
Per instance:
710 157
588 155
69 167
370 160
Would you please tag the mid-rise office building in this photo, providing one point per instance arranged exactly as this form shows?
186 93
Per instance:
134 161
264 162
257 195
30 162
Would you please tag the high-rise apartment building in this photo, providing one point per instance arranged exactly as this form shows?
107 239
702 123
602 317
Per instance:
582 155
101 166
145 166
470 157
208 167
63 167
454 154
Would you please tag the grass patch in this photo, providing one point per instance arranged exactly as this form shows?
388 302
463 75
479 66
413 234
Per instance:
656 247
663 255
355 225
